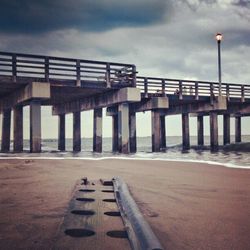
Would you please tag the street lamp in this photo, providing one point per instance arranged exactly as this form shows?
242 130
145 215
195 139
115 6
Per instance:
219 38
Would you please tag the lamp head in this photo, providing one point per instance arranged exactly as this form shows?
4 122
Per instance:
218 37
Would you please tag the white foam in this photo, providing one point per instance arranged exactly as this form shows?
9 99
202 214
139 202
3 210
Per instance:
228 165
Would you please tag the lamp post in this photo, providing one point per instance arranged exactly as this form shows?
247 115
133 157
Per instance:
219 38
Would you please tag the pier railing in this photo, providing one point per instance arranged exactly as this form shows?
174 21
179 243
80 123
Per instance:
164 86
48 68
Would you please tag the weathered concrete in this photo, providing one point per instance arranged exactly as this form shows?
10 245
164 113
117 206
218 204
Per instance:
226 129
200 129
115 133
156 130
110 98
35 126
163 131
123 128
185 131
237 128
34 90
77 131
132 132
97 133
18 128
219 104
6 122
148 104
214 131
61 132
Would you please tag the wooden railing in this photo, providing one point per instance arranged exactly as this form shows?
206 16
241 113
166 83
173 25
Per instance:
50 68
197 89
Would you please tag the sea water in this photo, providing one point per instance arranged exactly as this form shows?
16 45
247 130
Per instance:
234 155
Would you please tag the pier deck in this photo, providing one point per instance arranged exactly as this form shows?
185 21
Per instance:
75 85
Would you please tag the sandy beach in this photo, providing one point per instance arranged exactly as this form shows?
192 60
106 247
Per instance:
188 205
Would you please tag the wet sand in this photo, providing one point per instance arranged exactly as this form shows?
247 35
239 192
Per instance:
188 205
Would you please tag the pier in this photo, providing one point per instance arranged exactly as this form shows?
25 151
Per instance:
75 85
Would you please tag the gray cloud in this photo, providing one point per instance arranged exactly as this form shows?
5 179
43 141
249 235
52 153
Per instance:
35 16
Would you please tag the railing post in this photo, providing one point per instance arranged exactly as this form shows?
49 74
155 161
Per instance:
14 70
196 91
46 68
180 90
163 88
228 92
242 93
134 76
211 93
146 87
78 73
108 83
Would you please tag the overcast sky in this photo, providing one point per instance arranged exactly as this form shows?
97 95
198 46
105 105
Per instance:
164 38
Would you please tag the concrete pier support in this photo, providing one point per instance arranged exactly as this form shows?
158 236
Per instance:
214 131
115 133
97 137
132 132
6 121
226 129
185 131
35 126
200 130
123 128
77 131
61 132
18 128
156 130
163 131
237 129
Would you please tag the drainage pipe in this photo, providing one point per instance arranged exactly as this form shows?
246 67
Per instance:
140 234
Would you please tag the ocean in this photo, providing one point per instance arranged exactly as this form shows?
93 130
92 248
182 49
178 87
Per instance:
233 155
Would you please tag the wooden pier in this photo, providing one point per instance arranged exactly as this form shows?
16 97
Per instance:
74 85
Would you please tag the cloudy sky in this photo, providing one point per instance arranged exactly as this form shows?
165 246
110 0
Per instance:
164 38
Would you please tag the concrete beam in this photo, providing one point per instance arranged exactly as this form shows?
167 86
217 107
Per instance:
18 128
34 90
185 131
103 100
6 122
97 137
220 103
61 132
77 131
35 126
123 128
148 104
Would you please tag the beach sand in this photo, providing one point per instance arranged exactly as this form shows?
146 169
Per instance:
188 205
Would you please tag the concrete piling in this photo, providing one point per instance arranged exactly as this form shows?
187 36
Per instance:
61 132
115 133
156 130
18 128
123 128
237 128
226 129
6 121
185 131
200 130
132 132
35 126
163 131
214 131
77 131
97 137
